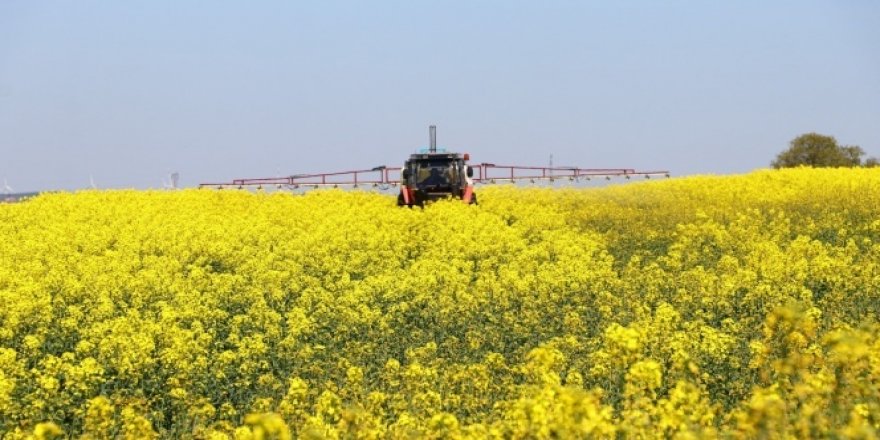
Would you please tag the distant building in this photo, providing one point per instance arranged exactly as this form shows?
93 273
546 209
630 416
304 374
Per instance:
16 197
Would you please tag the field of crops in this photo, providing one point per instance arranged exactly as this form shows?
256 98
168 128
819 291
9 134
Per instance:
698 307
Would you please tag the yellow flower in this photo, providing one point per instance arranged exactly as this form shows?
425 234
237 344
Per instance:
697 307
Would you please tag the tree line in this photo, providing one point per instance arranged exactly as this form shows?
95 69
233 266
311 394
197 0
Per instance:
817 150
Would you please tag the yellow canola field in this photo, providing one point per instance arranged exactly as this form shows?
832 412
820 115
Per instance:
699 307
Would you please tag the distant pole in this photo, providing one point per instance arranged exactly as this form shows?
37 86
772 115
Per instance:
432 134
551 165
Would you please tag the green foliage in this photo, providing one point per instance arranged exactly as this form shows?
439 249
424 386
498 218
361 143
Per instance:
817 150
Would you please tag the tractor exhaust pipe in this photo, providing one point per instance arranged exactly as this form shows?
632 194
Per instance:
432 135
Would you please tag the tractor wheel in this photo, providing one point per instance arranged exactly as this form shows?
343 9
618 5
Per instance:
419 200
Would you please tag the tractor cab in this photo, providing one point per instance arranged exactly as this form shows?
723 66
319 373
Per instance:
431 175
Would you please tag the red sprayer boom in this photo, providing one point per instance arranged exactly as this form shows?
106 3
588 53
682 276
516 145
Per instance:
431 174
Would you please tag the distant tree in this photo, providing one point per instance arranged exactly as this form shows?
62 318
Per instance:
872 162
813 149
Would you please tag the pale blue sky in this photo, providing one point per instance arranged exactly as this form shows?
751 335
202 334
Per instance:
128 91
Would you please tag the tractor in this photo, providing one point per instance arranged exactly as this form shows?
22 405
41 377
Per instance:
431 175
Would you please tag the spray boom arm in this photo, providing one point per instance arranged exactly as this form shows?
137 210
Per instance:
484 173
